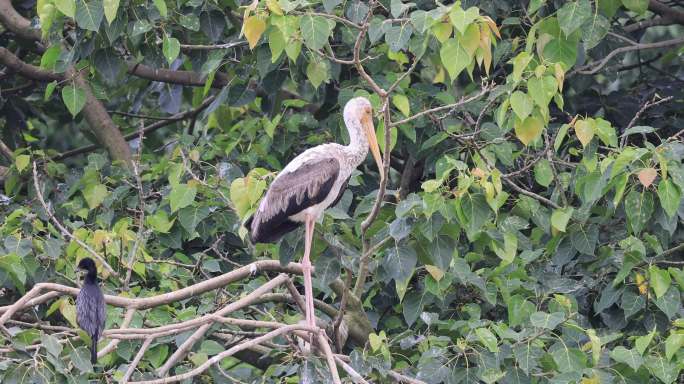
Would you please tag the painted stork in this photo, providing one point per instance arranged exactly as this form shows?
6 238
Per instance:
312 182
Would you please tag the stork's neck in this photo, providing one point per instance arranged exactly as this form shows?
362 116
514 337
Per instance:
358 143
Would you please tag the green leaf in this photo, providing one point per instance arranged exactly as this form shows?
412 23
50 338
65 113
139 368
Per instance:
400 262
639 208
13 265
670 303
74 98
573 14
543 173
80 357
642 342
522 104
632 303
569 359
317 71
670 196
402 103
562 51
190 217
673 344
595 30
664 370
547 320
160 222
638 6
95 194
51 344
560 218
659 280
67 7
181 196
211 348
454 58
542 90
519 310
488 339
89 14
111 7
398 36
276 42
161 7
627 356
21 162
315 30
529 129
170 48
461 19
520 64
605 131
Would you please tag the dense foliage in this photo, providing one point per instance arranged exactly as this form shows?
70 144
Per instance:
530 229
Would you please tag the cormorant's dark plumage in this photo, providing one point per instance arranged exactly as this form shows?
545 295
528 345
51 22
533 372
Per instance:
90 306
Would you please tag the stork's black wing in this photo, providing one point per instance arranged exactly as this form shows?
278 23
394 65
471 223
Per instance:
289 194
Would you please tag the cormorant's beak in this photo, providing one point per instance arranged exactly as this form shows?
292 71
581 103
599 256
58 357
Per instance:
367 123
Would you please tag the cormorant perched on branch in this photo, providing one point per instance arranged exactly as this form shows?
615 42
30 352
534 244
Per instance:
90 306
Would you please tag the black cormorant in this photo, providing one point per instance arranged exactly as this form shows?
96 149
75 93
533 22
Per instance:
90 306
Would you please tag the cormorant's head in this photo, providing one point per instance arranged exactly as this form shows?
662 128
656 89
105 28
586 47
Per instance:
88 264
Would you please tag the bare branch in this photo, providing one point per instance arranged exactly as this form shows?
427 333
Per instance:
647 105
200 47
136 360
199 333
244 345
594 67
486 89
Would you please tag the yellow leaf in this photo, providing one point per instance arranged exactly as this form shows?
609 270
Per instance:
646 176
642 284
486 47
528 130
254 27
560 76
584 129
274 7
435 272
492 25
440 76
591 380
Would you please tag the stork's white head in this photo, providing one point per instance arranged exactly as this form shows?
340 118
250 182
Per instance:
358 112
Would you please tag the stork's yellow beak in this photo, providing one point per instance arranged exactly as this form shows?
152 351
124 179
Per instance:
369 128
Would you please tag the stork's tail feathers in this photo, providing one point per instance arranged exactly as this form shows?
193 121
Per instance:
93 350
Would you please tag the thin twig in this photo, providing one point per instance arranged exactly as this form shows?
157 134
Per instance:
643 108
594 67
63 229
486 89
148 129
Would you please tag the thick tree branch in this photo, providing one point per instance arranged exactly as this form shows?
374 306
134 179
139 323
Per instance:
189 78
665 11
26 70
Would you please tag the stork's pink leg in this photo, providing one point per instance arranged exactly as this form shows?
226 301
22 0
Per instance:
309 223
